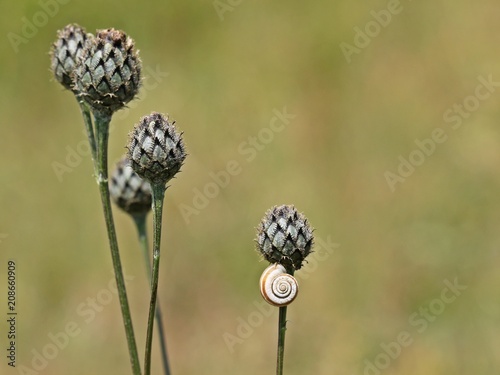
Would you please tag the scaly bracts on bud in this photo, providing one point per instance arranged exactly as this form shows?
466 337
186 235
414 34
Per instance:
108 75
284 236
155 150
130 192
66 52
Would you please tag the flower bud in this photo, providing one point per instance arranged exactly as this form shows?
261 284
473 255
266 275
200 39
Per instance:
284 236
108 75
66 52
130 192
155 149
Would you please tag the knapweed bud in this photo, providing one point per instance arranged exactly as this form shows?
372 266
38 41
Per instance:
155 150
130 192
284 236
66 52
108 74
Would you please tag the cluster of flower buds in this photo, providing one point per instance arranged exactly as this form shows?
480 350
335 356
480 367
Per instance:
103 70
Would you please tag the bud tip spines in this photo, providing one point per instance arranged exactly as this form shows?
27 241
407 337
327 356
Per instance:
108 74
284 236
156 150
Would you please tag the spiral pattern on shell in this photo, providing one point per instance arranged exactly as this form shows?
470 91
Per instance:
278 287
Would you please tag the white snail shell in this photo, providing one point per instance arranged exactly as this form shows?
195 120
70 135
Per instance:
278 287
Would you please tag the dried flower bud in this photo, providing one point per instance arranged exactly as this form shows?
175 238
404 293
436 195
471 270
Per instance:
155 149
284 236
66 52
108 75
130 192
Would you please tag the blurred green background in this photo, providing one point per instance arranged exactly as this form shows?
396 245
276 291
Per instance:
222 75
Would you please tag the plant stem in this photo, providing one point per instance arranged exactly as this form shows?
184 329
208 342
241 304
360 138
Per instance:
281 337
158 191
102 130
87 119
140 222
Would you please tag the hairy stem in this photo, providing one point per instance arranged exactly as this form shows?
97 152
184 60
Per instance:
89 129
102 130
140 222
158 195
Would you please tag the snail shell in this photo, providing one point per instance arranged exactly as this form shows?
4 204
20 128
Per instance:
278 287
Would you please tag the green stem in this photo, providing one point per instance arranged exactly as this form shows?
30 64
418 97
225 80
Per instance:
281 337
140 222
87 119
102 129
158 195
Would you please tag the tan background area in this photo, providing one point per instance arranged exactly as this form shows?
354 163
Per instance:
391 148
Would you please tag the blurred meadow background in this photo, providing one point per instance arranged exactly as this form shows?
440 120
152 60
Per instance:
358 108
